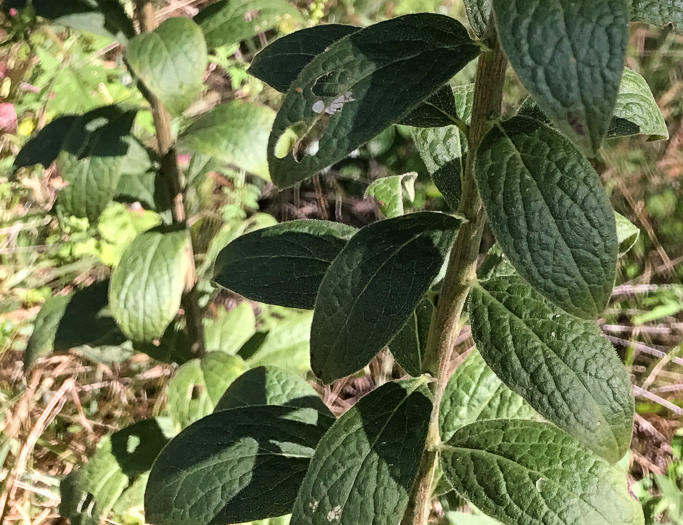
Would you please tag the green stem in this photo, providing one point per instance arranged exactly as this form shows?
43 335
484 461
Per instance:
461 271
175 182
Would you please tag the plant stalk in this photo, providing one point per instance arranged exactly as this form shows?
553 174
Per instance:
175 182
446 321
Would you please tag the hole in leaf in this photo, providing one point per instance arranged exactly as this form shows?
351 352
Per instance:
87 504
197 391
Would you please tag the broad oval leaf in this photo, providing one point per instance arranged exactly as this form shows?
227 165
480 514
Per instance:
372 288
560 364
364 467
636 111
71 321
197 386
91 158
474 393
550 214
658 12
90 493
235 133
231 21
286 345
570 56
524 472
283 264
409 344
270 385
328 105
170 61
101 17
233 466
230 330
391 191
148 283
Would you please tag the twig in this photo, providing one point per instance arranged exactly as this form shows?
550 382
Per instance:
641 392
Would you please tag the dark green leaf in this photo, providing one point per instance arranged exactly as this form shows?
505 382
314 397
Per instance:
560 364
170 61
231 21
570 56
283 264
235 133
71 321
391 191
279 63
549 213
437 110
409 345
364 467
523 472
197 386
233 466
148 283
474 393
270 385
149 189
91 158
230 330
478 13
102 17
90 492
44 147
328 106
373 287
658 12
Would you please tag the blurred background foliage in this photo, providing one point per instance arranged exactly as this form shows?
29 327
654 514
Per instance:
52 417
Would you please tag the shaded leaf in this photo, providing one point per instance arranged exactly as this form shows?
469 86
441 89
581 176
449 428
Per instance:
391 191
149 189
234 465
570 56
365 465
231 21
560 364
44 147
170 61
270 385
478 13
286 345
550 214
533 473
409 344
474 393
197 386
283 264
658 12
327 106
437 110
372 288
148 283
235 133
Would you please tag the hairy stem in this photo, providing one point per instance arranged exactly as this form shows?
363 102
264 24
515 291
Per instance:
175 182
446 321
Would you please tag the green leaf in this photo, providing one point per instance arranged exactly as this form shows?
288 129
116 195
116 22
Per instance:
658 12
328 105
170 61
173 347
231 21
627 234
408 346
637 112
197 386
283 264
372 288
478 13
460 518
44 147
234 465
235 133
149 189
391 191
270 385
102 17
550 214
71 321
524 472
286 345
570 56
230 330
474 393
281 61
91 158
148 284
365 465
560 364
90 492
